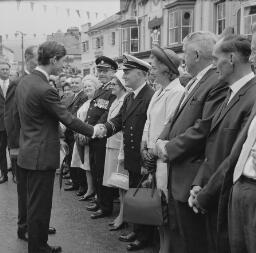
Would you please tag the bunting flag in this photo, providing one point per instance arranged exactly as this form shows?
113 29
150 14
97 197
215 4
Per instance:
88 14
34 35
45 8
68 12
96 15
78 13
32 5
6 36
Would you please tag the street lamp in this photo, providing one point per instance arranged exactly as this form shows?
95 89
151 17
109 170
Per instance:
22 48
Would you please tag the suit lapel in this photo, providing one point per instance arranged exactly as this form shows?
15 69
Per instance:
233 101
9 90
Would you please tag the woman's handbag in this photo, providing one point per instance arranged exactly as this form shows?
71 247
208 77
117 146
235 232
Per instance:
147 206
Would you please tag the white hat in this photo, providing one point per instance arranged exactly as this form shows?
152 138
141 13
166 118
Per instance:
119 75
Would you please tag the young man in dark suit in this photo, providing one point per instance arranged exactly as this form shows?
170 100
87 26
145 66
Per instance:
13 142
232 60
39 112
97 113
182 141
131 120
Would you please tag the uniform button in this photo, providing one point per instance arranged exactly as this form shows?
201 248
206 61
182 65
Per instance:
131 134
89 117
131 128
132 147
131 140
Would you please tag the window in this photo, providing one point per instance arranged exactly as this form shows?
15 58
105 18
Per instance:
101 41
180 25
220 17
134 39
113 38
130 39
125 40
85 46
249 19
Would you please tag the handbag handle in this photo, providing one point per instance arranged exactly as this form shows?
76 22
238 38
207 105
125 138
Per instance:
153 185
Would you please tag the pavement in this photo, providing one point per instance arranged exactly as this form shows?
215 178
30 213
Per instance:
76 231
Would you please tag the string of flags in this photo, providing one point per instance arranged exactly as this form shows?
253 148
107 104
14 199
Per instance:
69 11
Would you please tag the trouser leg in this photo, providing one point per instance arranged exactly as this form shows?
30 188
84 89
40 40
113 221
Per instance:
39 201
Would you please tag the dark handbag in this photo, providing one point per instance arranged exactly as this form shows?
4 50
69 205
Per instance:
147 206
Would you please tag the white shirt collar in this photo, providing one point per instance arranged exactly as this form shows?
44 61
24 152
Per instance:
203 72
43 72
236 86
137 91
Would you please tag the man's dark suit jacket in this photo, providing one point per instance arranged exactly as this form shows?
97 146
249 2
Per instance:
9 95
131 120
225 129
12 133
187 132
40 110
220 184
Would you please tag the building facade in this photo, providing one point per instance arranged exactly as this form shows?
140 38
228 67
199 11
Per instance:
145 23
71 39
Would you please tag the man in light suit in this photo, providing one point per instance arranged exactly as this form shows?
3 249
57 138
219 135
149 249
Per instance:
131 120
231 57
39 112
6 87
182 142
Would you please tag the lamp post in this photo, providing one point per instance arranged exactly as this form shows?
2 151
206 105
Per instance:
22 49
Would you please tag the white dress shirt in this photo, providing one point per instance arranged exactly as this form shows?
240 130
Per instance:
137 91
43 72
4 84
249 168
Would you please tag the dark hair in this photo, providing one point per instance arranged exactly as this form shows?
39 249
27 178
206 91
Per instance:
237 44
29 52
48 50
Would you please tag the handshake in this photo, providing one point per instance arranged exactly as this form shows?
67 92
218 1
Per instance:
100 131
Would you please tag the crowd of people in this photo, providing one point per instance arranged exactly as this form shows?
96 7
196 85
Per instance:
190 135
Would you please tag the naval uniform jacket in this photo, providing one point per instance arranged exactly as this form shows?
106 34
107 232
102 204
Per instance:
131 120
98 111
39 112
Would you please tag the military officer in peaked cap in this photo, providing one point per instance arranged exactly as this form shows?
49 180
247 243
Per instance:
97 113
131 120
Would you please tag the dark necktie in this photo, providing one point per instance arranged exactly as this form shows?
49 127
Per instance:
131 101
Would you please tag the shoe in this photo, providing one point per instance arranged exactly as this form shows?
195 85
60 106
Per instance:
22 235
87 198
127 238
92 208
3 179
51 231
121 226
136 245
71 188
99 214
55 249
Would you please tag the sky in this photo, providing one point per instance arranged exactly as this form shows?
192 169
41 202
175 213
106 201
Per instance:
48 16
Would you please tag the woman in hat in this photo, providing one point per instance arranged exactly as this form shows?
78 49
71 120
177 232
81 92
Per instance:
113 158
165 64
80 155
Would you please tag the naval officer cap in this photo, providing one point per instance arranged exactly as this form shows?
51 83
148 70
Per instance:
105 62
167 57
131 62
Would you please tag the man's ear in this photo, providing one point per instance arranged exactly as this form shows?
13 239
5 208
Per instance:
197 55
53 60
